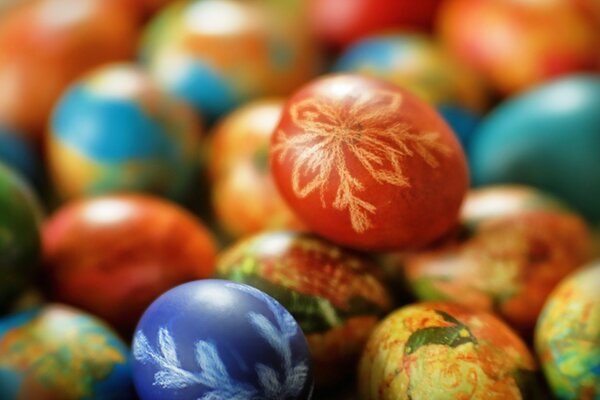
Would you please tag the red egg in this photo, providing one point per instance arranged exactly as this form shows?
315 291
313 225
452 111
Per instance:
367 164
114 255
45 44
516 43
340 22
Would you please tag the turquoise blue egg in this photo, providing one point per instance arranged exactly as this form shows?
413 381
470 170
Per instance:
18 154
462 121
57 352
548 137
114 131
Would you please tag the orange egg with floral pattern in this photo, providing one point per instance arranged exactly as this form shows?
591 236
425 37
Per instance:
433 351
367 164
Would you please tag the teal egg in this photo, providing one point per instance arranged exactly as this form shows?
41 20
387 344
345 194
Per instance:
20 240
114 131
57 352
548 137
18 153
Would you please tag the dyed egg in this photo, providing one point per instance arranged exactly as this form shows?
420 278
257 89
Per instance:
20 242
548 138
332 293
507 263
239 166
114 255
445 351
57 352
367 164
115 131
341 22
46 44
17 153
567 336
216 339
217 54
517 44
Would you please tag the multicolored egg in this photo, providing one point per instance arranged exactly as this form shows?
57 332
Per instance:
548 138
367 164
57 352
516 44
505 262
114 131
334 294
114 255
239 169
217 54
567 336
215 339
445 351
20 240
46 44
18 153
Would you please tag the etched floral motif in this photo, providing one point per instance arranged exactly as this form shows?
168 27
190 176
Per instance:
368 130
213 373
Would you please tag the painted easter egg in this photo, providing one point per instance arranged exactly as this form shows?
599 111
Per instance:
20 241
46 44
548 138
506 262
341 22
367 164
57 352
516 44
114 255
567 337
19 154
445 351
239 169
115 131
215 339
334 294
217 54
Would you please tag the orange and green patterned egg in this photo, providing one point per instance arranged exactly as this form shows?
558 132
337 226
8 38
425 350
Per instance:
334 294
567 337
435 351
58 352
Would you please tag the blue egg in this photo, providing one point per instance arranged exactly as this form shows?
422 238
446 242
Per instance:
462 121
18 154
61 353
548 137
215 339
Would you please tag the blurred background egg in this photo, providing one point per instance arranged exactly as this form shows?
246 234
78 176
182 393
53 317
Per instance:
216 54
239 169
20 240
19 154
548 137
445 351
568 336
114 255
505 262
114 130
46 44
516 44
57 352
334 294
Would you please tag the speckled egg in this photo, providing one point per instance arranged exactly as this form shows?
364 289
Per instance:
505 261
334 294
437 351
217 54
115 131
17 153
114 255
239 169
57 352
548 138
215 339
567 337
20 241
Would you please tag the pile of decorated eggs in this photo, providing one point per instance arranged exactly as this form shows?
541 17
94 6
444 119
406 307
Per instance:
299 199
